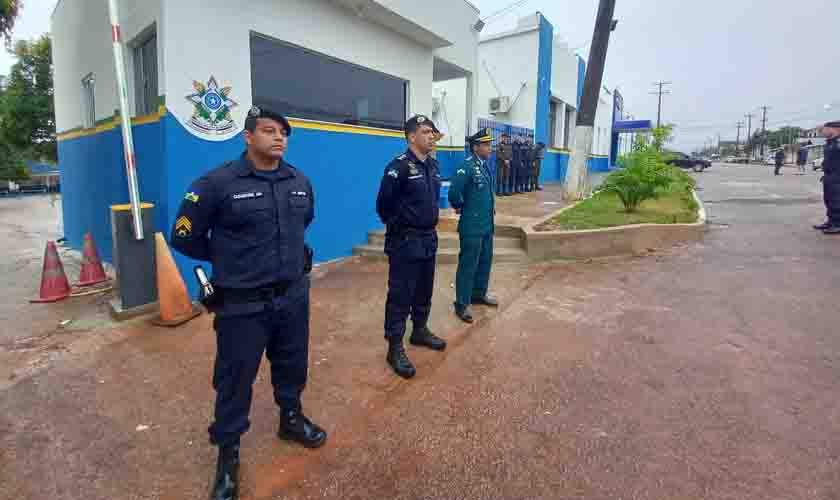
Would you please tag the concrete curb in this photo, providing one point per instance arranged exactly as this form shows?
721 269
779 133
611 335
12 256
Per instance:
610 242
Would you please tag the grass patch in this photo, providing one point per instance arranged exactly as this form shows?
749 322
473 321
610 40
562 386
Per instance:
604 209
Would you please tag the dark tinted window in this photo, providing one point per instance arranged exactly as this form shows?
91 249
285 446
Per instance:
303 84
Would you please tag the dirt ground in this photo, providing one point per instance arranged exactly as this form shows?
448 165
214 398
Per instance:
708 371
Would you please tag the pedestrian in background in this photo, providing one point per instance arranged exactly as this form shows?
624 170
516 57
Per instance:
780 160
802 157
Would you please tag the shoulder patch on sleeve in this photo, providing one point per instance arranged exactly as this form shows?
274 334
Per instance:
393 173
183 227
461 171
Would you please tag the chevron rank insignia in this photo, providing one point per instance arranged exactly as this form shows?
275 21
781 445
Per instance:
191 197
183 226
461 171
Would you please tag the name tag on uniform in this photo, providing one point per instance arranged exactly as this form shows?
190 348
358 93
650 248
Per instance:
300 193
247 196
416 177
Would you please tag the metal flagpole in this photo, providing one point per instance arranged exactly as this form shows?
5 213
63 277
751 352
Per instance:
125 118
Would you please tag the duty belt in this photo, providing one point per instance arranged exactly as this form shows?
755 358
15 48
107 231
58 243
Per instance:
265 293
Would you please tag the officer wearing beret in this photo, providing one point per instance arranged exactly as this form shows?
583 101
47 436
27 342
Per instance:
471 194
504 156
248 218
408 205
831 178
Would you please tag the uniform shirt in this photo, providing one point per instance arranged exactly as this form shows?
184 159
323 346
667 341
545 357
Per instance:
409 193
504 152
831 156
472 193
248 223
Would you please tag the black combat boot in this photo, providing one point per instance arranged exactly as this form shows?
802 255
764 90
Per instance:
823 226
226 484
398 360
832 230
294 426
485 301
463 312
424 337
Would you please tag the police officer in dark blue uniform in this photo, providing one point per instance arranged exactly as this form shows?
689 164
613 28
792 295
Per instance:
408 205
248 218
831 178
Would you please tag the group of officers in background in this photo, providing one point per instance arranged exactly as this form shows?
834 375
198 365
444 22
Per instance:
518 163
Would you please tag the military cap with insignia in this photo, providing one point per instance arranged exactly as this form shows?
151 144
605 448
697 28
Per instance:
417 121
483 135
257 112
835 124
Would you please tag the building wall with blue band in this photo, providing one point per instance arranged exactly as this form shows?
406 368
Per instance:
545 57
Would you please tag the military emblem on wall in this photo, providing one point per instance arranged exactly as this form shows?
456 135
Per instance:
212 108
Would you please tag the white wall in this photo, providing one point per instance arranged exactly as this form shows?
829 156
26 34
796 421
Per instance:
451 117
81 33
603 124
512 60
457 18
564 73
194 52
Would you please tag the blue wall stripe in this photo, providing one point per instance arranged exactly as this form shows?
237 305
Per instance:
545 57
581 79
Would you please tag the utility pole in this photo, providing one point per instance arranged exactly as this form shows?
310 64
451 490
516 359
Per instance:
740 125
660 84
764 130
749 117
577 175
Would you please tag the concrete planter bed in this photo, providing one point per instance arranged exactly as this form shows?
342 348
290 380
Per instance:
609 242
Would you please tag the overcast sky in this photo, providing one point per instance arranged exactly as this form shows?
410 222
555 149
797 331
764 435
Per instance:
725 57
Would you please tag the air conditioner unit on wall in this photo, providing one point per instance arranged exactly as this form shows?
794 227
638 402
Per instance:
500 104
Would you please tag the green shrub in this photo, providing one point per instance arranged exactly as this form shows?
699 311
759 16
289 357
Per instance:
646 174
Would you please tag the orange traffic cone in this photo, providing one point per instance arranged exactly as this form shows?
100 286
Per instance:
92 270
176 307
54 284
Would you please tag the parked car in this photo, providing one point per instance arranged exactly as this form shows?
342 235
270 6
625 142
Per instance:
684 161
817 164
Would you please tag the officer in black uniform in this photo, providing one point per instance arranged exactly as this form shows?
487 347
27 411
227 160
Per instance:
831 178
517 165
408 205
248 218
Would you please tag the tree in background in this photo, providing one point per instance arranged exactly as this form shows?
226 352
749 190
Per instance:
27 110
9 11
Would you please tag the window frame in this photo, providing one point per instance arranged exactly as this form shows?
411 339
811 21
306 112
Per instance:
404 84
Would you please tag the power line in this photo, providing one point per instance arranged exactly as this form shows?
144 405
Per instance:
660 92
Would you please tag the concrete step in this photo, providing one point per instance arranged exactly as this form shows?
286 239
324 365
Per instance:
446 255
449 240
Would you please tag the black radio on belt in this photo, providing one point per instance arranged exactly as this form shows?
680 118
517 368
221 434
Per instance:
207 294
307 259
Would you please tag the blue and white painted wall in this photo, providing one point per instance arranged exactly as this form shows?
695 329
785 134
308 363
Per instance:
533 70
344 162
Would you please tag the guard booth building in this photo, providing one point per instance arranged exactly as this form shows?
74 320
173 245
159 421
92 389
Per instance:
347 73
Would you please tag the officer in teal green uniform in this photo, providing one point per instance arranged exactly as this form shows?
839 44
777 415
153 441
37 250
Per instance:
471 193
